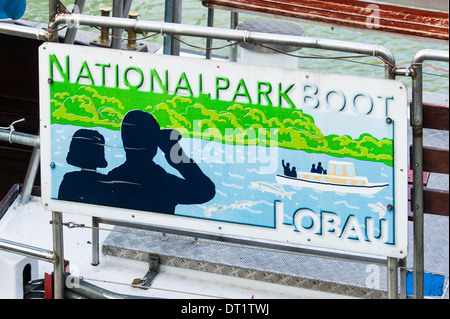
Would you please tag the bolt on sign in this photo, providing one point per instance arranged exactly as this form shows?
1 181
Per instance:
292 156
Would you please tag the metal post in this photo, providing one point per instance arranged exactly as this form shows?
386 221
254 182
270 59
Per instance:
95 242
176 18
417 163
392 263
126 7
417 190
233 24
30 140
116 41
30 175
173 15
72 31
58 252
392 267
168 9
402 266
52 10
209 40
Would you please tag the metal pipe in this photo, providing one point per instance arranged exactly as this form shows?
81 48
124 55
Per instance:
88 290
95 242
168 12
209 41
234 21
392 263
392 268
227 34
58 252
402 266
126 7
30 175
72 32
416 121
176 18
417 190
27 250
116 42
19 138
29 140
23 31
52 11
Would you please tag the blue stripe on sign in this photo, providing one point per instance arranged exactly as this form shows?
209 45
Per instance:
433 285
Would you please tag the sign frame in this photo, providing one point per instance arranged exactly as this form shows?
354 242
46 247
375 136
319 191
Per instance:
280 232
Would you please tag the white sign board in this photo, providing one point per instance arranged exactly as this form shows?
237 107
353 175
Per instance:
285 155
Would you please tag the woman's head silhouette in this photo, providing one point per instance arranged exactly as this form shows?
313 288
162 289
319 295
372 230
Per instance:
87 150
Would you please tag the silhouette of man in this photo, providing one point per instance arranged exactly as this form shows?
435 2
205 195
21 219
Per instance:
319 168
139 183
313 168
287 169
87 152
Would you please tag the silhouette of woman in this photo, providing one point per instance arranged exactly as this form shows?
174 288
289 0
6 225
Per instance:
139 183
87 152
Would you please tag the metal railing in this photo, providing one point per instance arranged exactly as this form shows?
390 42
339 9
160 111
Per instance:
417 162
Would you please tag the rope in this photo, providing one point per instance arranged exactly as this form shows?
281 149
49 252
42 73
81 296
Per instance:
11 128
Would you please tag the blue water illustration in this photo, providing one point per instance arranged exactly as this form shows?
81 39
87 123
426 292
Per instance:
246 189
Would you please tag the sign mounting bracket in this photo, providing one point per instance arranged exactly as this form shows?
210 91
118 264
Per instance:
146 281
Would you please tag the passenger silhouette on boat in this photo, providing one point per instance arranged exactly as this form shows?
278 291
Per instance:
87 152
139 183
294 172
287 169
319 168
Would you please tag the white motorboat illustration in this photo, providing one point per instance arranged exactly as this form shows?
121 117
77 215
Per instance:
339 177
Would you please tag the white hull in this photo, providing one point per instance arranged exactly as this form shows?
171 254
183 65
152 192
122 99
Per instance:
367 189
